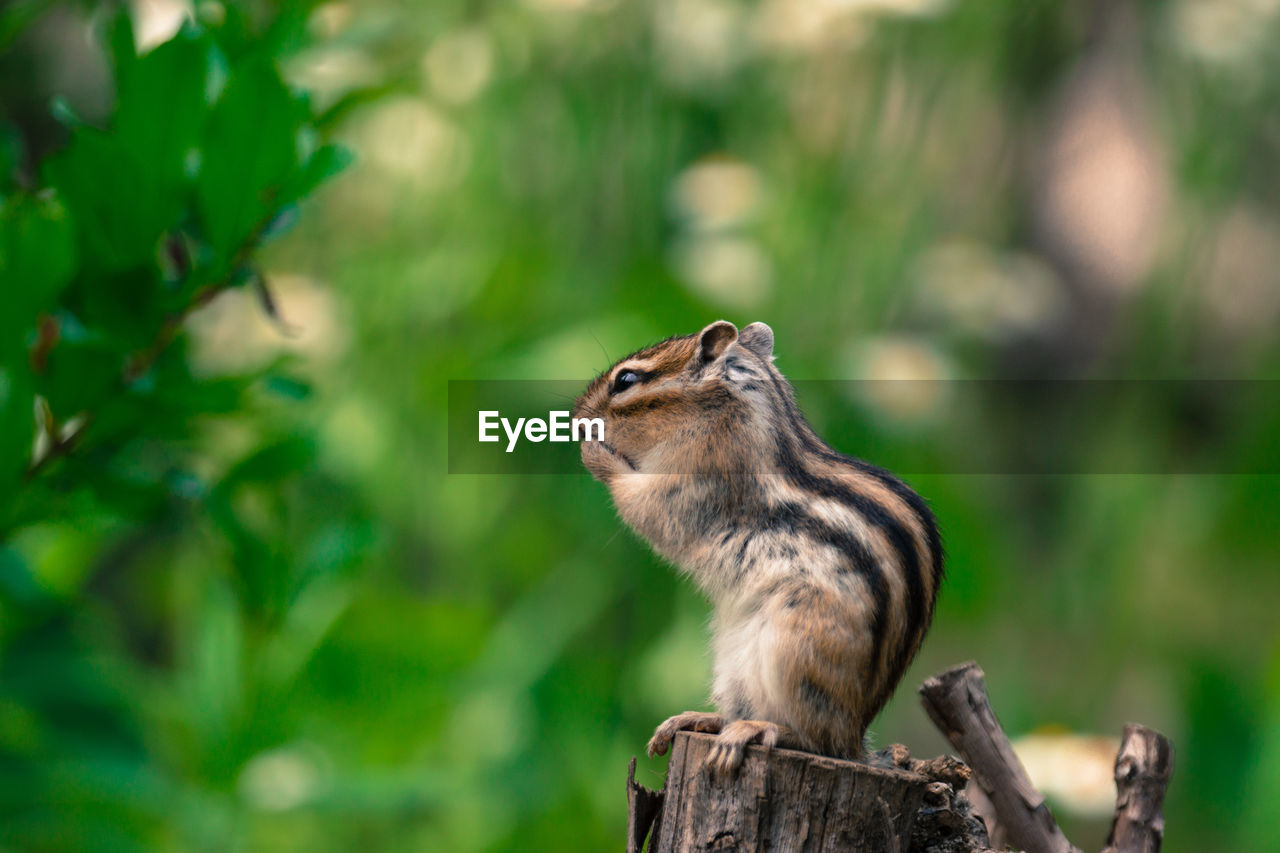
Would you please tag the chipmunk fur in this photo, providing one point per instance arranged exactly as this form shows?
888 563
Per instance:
822 570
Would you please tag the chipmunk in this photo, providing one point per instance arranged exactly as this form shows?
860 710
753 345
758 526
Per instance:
822 570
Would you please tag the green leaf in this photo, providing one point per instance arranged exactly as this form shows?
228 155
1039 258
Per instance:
17 426
10 155
288 387
327 161
80 375
16 581
121 41
37 259
124 310
162 106
273 462
250 158
120 206
288 31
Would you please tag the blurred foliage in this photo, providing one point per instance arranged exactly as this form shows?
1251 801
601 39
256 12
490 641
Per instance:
243 605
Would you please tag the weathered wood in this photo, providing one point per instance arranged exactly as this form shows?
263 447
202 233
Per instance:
1143 767
986 812
956 701
644 807
786 800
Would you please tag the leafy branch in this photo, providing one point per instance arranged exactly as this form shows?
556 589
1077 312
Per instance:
60 440
194 138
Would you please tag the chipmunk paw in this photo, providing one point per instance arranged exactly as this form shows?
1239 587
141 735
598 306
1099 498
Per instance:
731 744
692 721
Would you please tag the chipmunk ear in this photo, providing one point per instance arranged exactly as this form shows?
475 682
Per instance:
715 339
758 338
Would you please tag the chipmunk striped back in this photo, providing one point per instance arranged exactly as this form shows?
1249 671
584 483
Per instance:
822 569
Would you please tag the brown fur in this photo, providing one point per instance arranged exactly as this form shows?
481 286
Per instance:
822 570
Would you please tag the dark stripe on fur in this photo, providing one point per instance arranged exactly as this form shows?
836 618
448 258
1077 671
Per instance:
920 613
818 697
792 517
899 540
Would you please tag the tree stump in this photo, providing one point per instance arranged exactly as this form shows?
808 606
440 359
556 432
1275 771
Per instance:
785 800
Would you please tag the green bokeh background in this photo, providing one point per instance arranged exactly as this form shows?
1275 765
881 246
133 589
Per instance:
294 630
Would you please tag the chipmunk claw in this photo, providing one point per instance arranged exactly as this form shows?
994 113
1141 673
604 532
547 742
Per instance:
692 721
730 747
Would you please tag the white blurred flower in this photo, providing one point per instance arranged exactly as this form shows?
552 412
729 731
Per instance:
157 21
1224 31
233 332
728 270
283 778
994 295
329 19
699 42
459 65
810 25
328 73
409 140
1076 771
1242 288
901 377
716 193
906 8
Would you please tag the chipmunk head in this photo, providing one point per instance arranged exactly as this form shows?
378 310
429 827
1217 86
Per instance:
687 405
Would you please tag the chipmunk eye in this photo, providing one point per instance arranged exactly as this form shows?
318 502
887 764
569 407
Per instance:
625 380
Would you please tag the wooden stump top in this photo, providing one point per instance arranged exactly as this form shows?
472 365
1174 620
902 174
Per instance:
784 800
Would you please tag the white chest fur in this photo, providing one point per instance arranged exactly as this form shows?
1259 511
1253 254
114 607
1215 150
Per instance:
746 671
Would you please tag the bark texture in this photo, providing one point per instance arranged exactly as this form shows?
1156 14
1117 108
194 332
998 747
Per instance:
956 701
644 811
783 800
1143 767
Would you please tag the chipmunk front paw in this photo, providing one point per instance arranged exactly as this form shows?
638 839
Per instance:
730 747
691 721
